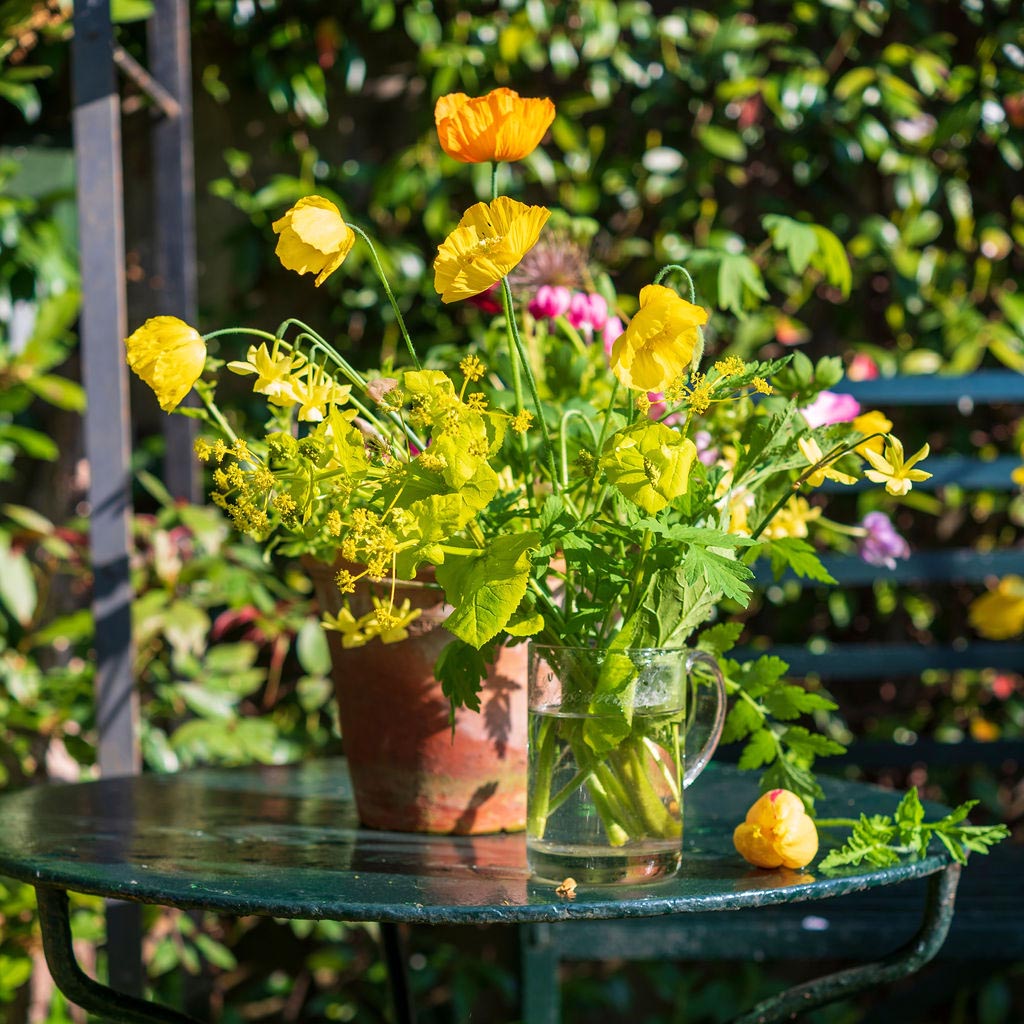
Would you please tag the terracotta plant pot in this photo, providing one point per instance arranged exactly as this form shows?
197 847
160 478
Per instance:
409 773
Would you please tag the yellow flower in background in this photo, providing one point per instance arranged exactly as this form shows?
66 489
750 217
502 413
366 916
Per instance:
896 472
169 356
273 371
792 519
500 126
658 345
314 238
812 453
777 832
1017 476
868 423
489 241
999 614
313 390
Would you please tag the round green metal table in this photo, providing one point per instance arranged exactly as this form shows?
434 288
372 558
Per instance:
285 842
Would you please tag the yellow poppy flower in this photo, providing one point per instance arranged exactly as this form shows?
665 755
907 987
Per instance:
500 126
489 241
896 473
169 356
812 453
777 832
999 614
314 238
658 345
868 423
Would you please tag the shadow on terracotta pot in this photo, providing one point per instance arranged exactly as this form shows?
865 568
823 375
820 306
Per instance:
410 773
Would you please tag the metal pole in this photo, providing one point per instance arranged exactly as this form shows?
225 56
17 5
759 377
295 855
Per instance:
174 205
97 131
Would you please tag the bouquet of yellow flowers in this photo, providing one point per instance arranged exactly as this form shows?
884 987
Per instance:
576 477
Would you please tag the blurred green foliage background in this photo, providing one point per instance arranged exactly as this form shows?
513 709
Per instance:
714 137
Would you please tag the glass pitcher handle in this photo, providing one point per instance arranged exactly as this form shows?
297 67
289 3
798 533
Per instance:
705 717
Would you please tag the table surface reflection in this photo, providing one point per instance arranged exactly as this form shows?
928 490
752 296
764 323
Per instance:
285 841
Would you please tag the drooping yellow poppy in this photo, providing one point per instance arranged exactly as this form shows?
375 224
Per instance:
314 238
777 832
169 356
489 241
500 126
658 345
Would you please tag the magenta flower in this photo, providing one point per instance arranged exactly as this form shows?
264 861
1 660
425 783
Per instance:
882 545
550 301
862 367
830 407
588 312
705 452
659 408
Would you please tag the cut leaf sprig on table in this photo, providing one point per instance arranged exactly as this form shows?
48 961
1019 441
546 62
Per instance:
881 840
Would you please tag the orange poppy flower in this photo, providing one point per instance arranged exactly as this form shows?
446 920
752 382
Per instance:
500 126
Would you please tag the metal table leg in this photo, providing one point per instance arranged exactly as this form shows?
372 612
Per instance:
397 961
938 916
79 987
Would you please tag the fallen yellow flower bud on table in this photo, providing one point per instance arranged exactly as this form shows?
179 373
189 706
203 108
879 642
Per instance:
777 832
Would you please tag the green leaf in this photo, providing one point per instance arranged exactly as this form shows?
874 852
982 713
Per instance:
486 587
833 261
786 774
58 391
461 670
807 745
719 571
34 444
722 142
791 701
739 283
760 750
720 638
312 649
743 719
798 240
798 556
17 583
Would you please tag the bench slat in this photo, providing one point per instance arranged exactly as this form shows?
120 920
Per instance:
981 388
890 661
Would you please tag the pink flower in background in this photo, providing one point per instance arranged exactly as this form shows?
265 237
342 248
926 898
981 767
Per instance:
610 334
659 408
707 455
588 312
550 301
489 301
862 367
831 407
882 545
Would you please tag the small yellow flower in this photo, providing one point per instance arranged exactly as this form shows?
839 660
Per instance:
777 832
896 473
489 241
477 401
472 368
522 421
314 238
389 623
272 370
348 626
868 423
333 522
762 386
812 453
312 389
500 126
731 366
169 356
346 581
658 345
999 614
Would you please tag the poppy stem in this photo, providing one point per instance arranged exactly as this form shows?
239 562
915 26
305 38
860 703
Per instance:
494 180
531 381
666 270
390 294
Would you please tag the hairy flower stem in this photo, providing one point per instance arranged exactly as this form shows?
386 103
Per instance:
666 270
390 294
520 352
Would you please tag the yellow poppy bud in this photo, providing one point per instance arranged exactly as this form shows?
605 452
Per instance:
314 238
489 241
169 356
500 126
658 345
778 832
